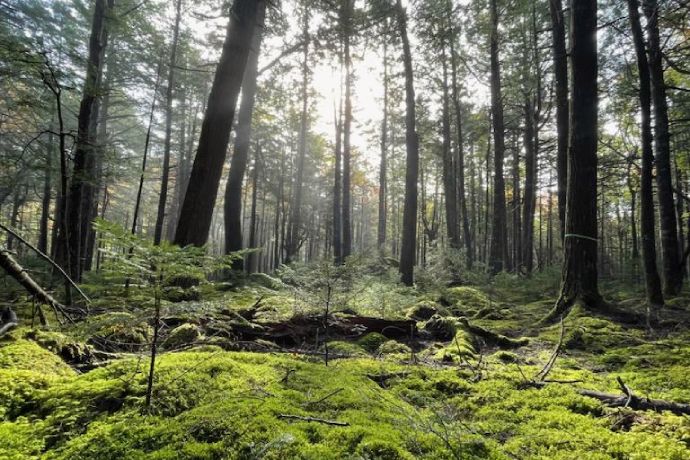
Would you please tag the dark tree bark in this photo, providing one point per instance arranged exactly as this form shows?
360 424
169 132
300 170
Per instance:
579 278
346 21
499 243
383 167
449 182
82 190
200 198
409 231
652 281
295 229
243 132
670 253
560 65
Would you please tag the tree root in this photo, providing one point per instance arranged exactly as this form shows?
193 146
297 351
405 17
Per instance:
491 337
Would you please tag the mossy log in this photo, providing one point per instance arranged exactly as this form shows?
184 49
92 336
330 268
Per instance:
16 271
492 337
300 329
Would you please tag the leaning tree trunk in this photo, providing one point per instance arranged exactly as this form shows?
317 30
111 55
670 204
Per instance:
652 281
409 231
579 278
165 173
238 165
560 65
499 243
670 253
82 192
200 198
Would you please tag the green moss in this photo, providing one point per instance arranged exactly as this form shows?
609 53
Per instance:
186 334
21 354
391 347
463 298
461 347
424 310
441 328
118 330
372 341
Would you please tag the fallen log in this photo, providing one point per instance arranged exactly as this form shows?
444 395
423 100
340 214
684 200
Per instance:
492 337
313 419
627 399
17 272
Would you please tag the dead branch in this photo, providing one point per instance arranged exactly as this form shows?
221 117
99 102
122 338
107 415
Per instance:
313 419
552 360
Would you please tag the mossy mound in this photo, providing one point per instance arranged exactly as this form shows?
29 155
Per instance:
441 328
118 331
392 347
177 294
372 341
424 310
461 347
267 281
186 334
464 299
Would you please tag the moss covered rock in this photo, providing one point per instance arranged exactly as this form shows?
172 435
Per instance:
439 327
461 298
423 310
118 331
185 334
391 347
372 341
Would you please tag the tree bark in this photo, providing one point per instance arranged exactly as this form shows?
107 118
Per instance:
579 276
670 253
252 244
560 65
499 243
82 191
200 198
347 129
383 167
238 165
652 280
47 192
409 231
449 182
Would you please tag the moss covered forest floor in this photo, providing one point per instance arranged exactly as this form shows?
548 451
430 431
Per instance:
223 389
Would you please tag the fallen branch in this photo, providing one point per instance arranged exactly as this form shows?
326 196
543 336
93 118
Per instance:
319 401
541 376
313 419
47 259
17 272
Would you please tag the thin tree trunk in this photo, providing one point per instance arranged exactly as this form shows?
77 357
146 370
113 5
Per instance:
670 254
652 280
251 265
197 208
499 243
381 237
47 191
449 182
560 65
347 128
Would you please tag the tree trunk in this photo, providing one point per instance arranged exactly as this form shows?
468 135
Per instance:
251 265
165 173
82 191
499 243
347 129
337 190
295 229
409 231
200 198
449 182
579 278
530 195
560 65
652 281
238 165
47 191
670 254
381 237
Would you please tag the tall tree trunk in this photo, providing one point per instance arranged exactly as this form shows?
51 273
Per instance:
409 231
337 190
165 173
197 208
530 187
251 262
652 280
82 191
295 229
579 279
449 182
174 207
670 254
560 65
238 165
47 191
499 243
347 129
381 236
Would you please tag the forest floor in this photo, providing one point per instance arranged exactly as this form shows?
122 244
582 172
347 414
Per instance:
242 375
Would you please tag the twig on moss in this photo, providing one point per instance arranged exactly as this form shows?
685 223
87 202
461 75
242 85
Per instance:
313 419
